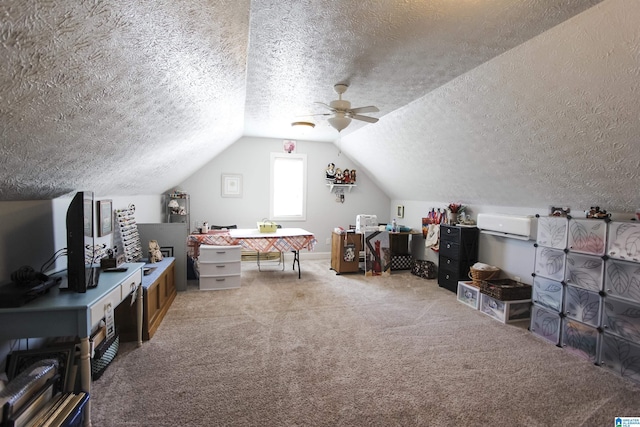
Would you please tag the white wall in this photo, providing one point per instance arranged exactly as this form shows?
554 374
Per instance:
250 157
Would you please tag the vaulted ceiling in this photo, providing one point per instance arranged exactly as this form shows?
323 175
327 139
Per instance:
500 102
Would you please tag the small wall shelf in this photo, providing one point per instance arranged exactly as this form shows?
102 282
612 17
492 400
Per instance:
349 186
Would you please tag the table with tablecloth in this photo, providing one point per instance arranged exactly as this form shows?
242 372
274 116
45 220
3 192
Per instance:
282 240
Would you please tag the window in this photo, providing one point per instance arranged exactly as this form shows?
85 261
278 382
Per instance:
288 187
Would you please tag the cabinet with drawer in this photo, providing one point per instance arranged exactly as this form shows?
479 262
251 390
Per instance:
219 267
458 252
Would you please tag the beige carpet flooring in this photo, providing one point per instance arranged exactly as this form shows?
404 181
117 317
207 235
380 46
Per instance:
348 350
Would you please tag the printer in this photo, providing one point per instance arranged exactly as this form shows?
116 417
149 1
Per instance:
366 223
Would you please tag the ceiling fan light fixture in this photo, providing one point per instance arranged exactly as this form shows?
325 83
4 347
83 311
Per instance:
303 125
339 122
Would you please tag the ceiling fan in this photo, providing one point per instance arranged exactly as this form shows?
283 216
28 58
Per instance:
342 113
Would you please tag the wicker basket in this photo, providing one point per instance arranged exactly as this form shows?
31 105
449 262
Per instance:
477 276
506 289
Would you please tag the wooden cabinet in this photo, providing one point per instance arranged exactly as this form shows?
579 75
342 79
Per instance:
458 252
159 291
345 252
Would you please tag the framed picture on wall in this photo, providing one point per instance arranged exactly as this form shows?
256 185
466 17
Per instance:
105 218
231 185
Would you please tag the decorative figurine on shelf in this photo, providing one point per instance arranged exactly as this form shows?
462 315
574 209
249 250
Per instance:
353 176
339 176
174 206
346 176
331 171
596 213
155 254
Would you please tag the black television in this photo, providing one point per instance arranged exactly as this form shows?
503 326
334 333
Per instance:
81 274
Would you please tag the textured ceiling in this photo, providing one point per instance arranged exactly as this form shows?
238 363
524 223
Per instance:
495 102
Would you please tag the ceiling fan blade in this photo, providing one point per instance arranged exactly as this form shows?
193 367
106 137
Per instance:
367 109
315 114
328 107
364 118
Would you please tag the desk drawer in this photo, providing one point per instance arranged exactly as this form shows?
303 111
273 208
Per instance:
219 268
209 253
110 301
130 284
219 282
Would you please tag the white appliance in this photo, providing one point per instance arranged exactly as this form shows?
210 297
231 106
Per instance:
366 223
513 226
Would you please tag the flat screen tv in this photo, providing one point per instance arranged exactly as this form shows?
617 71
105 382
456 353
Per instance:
81 274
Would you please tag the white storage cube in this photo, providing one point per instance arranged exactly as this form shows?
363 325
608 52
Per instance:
505 311
219 268
469 294
622 280
552 232
545 324
583 305
216 283
585 271
547 293
624 241
210 253
550 263
621 318
620 356
580 339
588 236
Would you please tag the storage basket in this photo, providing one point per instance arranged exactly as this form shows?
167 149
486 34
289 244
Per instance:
104 355
425 269
477 276
506 289
267 226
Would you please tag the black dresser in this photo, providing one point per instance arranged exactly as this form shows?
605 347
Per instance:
458 252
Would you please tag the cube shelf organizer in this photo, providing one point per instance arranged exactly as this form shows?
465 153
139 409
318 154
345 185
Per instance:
586 290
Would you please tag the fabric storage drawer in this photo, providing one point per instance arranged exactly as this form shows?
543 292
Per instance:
583 305
209 253
450 233
550 263
469 294
620 356
545 324
219 268
580 339
449 264
449 249
505 311
621 318
547 293
622 280
214 283
584 271
447 279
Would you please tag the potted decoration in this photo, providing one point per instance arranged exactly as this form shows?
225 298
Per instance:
453 210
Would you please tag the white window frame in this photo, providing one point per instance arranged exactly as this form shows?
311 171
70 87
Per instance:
272 192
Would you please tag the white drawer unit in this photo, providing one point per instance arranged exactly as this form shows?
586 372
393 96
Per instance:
469 294
219 267
505 311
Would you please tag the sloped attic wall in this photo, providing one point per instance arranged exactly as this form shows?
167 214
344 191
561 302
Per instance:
555 120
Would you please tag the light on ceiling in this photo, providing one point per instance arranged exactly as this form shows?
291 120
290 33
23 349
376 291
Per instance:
339 121
303 125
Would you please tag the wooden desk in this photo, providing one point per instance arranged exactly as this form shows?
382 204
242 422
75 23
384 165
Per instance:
58 314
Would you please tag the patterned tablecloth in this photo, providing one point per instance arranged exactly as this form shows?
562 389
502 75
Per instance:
282 240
